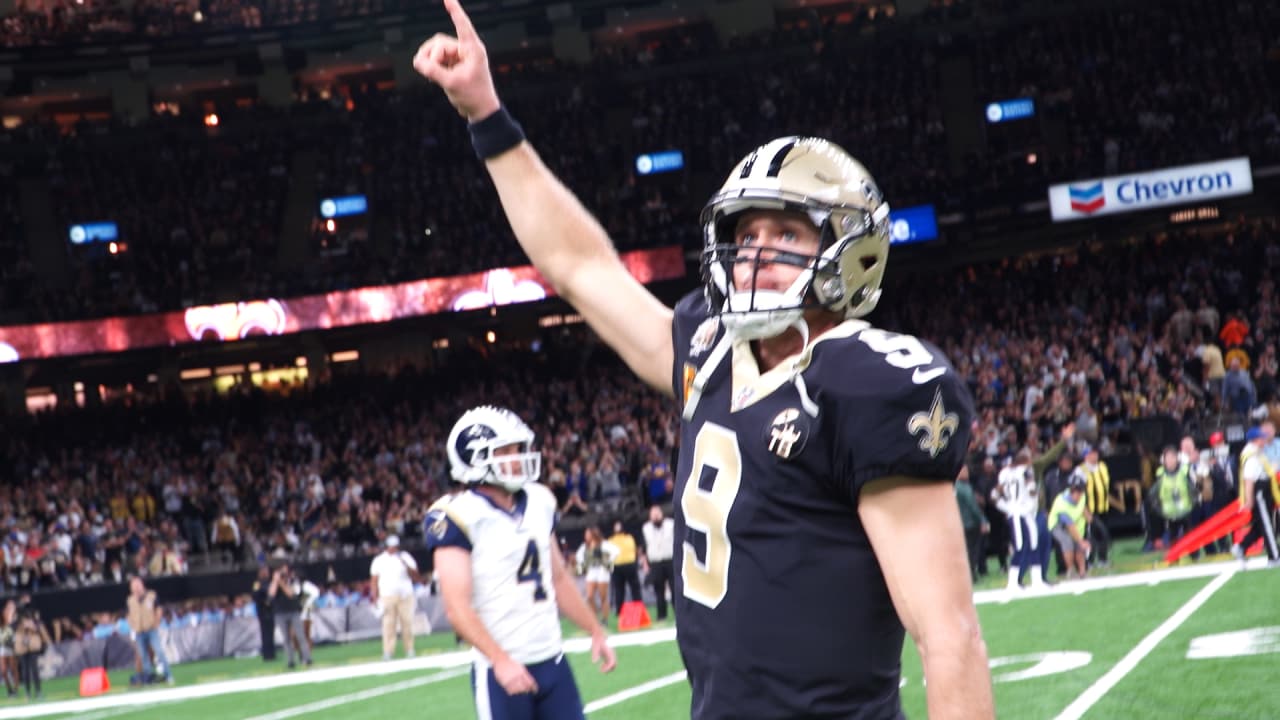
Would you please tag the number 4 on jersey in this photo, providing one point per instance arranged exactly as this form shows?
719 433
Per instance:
531 571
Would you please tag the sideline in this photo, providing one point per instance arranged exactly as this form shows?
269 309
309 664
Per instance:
455 659
439 661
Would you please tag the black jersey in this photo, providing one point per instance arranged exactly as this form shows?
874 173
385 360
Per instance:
781 606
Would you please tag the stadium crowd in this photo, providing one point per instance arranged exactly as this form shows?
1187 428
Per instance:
1107 88
92 495
64 22
1182 325
210 226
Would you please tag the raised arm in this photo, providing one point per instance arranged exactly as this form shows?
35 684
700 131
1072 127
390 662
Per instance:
565 243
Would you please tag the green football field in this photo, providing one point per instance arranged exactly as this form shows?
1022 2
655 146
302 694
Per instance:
1157 646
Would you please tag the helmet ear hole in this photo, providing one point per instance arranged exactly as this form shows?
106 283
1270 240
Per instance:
868 261
829 290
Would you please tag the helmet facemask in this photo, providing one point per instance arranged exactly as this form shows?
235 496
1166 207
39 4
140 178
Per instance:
843 277
511 470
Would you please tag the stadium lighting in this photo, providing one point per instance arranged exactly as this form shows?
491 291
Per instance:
211 120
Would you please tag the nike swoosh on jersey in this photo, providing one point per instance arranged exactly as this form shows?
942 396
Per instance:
921 378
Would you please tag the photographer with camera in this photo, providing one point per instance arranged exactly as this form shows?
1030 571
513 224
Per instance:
285 592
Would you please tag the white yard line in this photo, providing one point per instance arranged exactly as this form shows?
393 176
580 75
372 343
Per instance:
637 691
349 698
1094 693
136 699
1146 577
114 712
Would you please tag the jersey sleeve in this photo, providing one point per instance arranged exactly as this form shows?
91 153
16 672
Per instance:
896 423
444 526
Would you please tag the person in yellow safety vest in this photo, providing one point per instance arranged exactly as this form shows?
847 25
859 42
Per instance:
1259 492
1067 518
1175 495
1098 493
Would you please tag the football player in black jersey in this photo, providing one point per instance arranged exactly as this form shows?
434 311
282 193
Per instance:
815 516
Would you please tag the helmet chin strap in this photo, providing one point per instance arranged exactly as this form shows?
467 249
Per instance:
761 314
797 371
721 350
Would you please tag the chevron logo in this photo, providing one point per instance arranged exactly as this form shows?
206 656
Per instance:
1087 198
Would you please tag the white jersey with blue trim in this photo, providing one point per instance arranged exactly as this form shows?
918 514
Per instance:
1018 494
511 588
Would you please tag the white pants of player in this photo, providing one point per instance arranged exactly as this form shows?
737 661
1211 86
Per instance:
1024 537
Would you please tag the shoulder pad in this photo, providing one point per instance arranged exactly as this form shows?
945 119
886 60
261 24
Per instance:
452 508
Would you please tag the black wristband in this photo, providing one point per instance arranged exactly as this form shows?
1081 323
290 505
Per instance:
495 134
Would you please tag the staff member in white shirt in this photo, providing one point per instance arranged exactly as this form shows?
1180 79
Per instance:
659 544
391 579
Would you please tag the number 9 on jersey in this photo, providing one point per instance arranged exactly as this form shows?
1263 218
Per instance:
706 505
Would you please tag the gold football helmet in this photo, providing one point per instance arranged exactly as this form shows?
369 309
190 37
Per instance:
838 195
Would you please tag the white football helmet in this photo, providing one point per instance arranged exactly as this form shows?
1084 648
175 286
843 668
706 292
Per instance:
473 448
838 195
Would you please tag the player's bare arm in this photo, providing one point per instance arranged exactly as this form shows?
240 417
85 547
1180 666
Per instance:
565 243
931 590
571 605
453 569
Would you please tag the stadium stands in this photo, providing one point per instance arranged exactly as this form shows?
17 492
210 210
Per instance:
203 220
1102 336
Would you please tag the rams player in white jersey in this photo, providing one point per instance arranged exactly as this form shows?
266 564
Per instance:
1018 497
501 573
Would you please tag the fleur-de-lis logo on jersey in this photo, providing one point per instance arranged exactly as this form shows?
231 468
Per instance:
937 426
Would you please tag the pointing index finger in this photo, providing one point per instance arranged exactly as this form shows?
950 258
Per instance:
461 22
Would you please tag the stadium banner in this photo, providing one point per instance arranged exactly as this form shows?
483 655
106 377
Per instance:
344 308
69 657
1158 188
